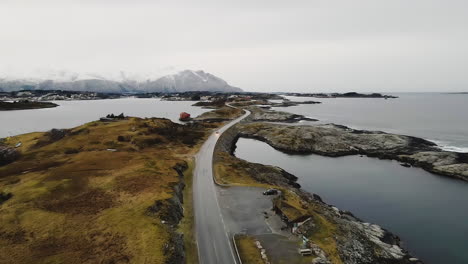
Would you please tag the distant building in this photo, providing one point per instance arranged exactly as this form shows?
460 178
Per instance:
184 116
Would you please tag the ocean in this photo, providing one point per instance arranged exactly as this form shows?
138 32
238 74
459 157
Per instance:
438 117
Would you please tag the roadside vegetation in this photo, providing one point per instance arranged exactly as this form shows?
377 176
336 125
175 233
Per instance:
220 114
187 225
248 251
233 171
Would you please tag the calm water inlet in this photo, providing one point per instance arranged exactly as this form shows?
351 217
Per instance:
74 113
427 211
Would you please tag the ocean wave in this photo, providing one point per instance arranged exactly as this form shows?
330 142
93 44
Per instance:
448 147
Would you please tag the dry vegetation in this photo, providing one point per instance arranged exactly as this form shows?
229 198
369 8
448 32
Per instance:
187 225
222 113
248 251
233 171
325 229
81 195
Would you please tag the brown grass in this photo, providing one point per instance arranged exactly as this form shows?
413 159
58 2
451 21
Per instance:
76 202
224 112
187 225
230 170
248 251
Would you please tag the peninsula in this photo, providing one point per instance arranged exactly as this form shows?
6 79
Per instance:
25 104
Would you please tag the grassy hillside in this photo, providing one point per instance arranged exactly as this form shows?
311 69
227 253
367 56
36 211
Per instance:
82 195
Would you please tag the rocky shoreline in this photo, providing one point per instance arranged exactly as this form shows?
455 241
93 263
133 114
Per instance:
288 103
342 95
336 140
356 241
265 115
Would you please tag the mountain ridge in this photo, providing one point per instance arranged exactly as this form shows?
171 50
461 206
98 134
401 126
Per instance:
183 81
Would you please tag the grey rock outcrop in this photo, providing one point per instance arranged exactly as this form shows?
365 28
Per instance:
171 212
259 114
446 163
8 155
336 140
287 103
4 197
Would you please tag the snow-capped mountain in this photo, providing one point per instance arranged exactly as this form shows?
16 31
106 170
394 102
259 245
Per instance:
188 81
183 81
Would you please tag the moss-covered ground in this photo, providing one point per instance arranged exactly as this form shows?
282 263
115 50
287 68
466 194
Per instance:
187 225
81 195
248 251
224 112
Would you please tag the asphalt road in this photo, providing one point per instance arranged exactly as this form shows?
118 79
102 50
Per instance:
214 241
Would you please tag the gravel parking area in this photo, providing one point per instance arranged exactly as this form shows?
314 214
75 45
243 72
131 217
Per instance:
247 211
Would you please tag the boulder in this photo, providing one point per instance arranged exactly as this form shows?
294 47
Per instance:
8 155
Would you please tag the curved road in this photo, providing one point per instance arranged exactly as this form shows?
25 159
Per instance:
214 243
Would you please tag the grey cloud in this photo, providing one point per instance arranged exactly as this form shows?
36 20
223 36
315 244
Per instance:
371 45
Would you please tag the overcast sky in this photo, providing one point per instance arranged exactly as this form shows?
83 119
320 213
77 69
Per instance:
266 45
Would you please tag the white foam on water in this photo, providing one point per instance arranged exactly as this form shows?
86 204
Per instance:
443 145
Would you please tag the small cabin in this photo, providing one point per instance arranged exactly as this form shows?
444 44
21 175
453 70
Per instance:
184 116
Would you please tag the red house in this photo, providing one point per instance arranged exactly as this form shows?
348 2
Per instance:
184 116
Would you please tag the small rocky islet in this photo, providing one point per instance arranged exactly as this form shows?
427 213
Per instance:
337 140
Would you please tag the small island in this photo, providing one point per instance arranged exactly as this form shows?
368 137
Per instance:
25 104
342 95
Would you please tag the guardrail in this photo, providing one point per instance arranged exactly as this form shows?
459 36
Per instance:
246 114
235 248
